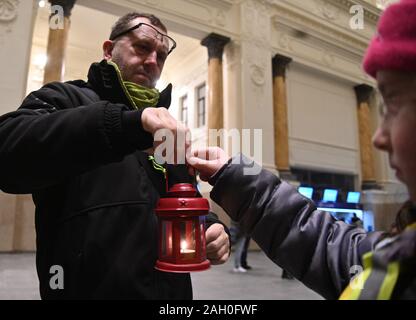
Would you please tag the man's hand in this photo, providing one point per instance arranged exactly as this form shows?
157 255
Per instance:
218 244
207 161
158 121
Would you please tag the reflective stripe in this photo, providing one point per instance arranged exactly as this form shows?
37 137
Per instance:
368 269
347 294
380 276
389 282
375 282
411 226
356 285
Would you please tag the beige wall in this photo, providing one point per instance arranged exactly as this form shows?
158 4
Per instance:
323 130
7 221
16 28
17 223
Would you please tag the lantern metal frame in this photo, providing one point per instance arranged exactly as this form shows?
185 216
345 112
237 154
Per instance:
182 219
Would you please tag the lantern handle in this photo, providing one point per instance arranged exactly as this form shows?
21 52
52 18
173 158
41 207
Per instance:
163 169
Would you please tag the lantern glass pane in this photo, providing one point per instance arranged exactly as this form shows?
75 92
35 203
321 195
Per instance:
167 243
188 244
202 232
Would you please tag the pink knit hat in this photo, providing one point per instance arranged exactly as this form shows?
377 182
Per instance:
394 46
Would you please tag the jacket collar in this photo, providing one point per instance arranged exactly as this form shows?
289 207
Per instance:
102 77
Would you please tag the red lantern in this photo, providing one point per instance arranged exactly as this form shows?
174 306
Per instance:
182 246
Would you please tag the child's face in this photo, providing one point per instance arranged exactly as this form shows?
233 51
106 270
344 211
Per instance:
397 132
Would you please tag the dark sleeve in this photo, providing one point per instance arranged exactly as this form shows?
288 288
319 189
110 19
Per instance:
50 138
310 244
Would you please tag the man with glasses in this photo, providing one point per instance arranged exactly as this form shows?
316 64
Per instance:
77 147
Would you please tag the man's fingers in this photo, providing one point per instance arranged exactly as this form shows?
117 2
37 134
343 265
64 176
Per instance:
217 244
220 260
150 120
216 237
217 247
202 157
166 130
209 153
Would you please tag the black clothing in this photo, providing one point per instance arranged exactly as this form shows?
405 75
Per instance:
310 244
75 147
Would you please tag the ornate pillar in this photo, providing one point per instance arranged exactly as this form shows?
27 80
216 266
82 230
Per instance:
16 29
281 132
364 93
253 87
57 40
215 44
17 19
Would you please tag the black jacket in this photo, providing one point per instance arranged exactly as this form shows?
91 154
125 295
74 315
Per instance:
74 147
318 250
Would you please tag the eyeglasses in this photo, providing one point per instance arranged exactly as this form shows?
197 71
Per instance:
151 32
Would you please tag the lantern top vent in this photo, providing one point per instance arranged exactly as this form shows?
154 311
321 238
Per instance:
182 199
182 190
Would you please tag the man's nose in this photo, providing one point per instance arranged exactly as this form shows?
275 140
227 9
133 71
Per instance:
152 58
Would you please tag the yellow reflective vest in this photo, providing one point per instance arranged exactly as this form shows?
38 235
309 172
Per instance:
389 271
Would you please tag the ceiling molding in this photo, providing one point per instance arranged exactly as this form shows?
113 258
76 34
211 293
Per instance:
306 24
223 4
371 12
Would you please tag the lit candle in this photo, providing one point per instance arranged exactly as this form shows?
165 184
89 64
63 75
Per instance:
185 251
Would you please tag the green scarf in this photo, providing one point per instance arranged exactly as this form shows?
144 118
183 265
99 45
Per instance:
139 96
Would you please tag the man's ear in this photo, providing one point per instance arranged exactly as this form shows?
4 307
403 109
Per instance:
108 47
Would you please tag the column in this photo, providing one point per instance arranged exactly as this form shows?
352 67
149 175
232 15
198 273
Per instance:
281 132
215 44
16 31
364 93
253 87
57 39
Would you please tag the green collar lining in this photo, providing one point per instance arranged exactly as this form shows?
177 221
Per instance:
140 97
